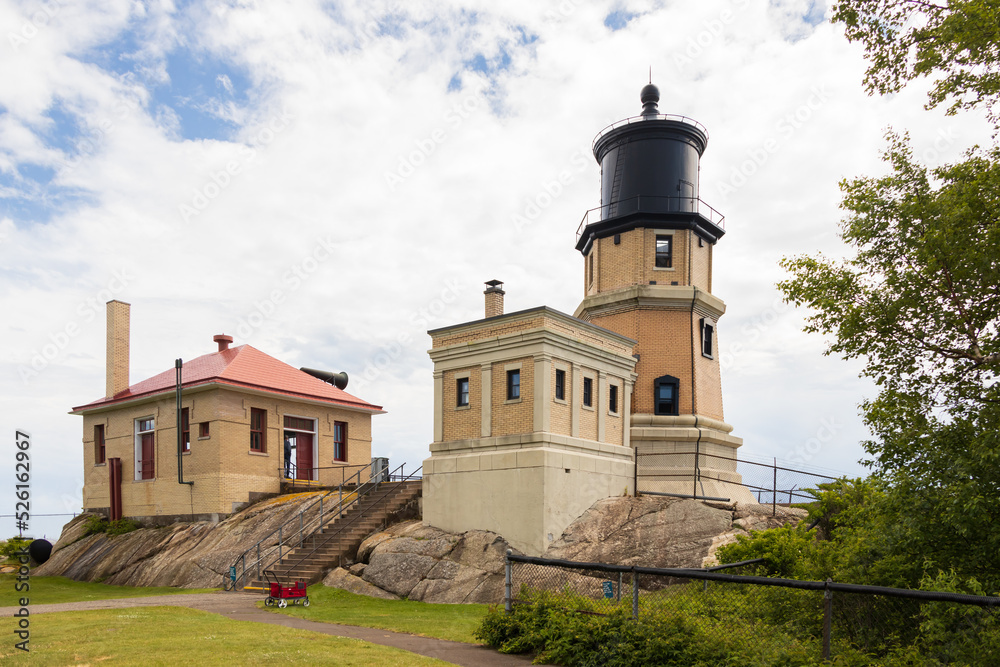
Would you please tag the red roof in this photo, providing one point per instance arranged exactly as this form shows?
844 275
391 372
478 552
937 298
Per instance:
241 367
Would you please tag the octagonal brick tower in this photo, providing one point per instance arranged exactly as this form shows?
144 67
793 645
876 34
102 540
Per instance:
648 276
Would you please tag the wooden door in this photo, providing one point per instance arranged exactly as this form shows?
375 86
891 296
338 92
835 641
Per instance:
303 456
148 457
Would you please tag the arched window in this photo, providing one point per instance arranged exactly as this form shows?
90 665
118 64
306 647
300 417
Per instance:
666 397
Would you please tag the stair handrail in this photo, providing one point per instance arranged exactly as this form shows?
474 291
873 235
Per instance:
342 528
239 569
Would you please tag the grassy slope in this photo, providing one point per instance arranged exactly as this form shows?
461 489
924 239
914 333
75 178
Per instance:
45 590
180 636
444 621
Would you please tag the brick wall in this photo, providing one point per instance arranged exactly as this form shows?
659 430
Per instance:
462 423
561 419
222 466
516 416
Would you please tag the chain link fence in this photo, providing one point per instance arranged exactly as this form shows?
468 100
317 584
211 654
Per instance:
776 621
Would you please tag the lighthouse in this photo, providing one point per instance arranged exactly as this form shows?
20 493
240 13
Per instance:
648 259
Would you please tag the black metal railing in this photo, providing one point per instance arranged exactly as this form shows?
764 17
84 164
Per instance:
650 204
639 119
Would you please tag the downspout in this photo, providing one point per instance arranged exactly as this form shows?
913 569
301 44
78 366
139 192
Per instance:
179 367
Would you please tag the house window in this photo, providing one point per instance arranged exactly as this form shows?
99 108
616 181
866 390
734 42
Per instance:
300 424
258 430
560 385
339 441
185 430
513 384
666 395
462 392
203 430
588 389
613 399
100 453
664 251
145 449
706 338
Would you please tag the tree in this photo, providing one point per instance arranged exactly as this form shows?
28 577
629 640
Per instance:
957 40
920 302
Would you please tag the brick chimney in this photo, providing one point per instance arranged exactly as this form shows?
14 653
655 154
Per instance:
223 340
118 344
494 298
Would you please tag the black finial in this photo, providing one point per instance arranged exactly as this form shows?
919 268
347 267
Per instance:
649 97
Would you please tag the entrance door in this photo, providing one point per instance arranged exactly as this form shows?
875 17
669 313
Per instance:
303 456
148 456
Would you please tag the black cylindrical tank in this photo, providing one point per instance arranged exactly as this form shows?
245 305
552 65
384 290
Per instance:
650 163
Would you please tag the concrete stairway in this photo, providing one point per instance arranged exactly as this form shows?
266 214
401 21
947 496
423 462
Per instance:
341 538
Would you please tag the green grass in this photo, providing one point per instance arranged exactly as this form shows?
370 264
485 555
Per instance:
181 636
47 590
455 622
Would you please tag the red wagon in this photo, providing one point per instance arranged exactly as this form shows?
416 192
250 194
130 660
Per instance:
283 594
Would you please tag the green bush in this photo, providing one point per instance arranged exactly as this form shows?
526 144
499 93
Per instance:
98 524
12 546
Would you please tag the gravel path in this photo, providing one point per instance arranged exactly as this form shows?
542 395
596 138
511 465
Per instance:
242 607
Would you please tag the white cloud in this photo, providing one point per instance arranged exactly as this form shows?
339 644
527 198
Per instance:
340 97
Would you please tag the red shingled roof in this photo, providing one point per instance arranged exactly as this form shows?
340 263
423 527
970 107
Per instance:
243 366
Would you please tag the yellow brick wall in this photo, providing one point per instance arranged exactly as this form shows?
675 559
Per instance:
222 466
486 332
701 264
709 378
465 422
514 417
561 420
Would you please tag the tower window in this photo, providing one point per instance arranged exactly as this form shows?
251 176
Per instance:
666 395
588 390
513 384
664 251
560 385
462 392
706 338
613 399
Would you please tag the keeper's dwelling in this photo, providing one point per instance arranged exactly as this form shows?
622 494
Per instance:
238 406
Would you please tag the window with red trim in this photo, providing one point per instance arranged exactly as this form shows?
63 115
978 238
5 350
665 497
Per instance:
258 430
340 441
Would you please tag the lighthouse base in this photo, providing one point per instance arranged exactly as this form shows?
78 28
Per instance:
687 455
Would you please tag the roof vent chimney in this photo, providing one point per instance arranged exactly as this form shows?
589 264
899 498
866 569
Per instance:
494 298
118 344
223 340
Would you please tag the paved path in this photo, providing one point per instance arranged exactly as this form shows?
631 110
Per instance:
242 607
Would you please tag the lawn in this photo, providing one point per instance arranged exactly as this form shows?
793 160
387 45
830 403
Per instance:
46 590
181 636
444 621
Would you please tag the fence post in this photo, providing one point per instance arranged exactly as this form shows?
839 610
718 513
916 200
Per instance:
635 477
635 595
774 489
300 528
258 561
827 619
279 544
618 598
321 513
507 604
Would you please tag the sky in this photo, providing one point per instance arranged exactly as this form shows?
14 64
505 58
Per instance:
328 181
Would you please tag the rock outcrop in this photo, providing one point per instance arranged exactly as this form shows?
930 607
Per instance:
419 562
186 555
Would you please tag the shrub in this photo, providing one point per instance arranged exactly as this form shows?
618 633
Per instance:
98 524
13 546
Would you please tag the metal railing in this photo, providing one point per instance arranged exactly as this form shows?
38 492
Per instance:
650 204
314 477
872 619
293 533
332 536
262 554
640 119
763 480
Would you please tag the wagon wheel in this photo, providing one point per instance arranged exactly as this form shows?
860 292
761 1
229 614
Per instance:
305 603
269 602
283 603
